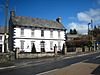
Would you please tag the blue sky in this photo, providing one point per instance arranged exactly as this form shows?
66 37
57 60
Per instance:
74 13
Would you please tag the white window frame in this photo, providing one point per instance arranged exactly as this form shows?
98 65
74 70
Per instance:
22 44
32 32
22 32
51 45
51 34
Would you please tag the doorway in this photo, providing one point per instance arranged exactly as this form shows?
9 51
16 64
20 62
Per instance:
42 43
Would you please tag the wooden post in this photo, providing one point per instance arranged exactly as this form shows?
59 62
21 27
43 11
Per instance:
16 53
65 50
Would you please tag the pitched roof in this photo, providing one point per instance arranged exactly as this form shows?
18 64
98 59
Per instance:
36 22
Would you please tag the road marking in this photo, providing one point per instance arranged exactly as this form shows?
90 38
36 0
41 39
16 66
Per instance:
98 56
85 60
47 72
7 67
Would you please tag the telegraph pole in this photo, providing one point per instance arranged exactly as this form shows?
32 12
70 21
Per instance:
5 26
92 39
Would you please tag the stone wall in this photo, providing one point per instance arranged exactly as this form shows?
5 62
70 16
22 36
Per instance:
6 57
79 49
35 55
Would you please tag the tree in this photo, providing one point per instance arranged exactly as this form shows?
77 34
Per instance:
33 49
71 31
74 31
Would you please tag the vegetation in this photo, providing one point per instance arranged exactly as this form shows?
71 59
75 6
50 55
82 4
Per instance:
80 42
33 49
73 31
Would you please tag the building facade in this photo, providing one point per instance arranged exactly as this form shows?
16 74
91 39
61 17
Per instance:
1 42
2 35
35 35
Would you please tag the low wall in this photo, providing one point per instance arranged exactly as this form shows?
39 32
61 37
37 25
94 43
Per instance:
86 49
6 57
79 49
35 55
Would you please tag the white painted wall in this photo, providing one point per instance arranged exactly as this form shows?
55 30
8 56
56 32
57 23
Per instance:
37 34
37 38
2 42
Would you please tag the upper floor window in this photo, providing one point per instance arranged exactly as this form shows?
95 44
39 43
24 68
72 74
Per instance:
42 33
22 31
0 38
58 34
51 34
32 32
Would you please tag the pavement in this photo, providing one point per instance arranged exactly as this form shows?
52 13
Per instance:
19 63
75 69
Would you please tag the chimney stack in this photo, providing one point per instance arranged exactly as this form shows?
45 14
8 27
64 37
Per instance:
58 19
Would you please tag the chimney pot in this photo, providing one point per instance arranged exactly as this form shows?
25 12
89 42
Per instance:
58 19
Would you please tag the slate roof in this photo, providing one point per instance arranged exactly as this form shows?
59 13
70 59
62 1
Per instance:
36 22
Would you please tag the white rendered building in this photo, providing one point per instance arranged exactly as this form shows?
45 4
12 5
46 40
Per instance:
2 35
40 35
1 42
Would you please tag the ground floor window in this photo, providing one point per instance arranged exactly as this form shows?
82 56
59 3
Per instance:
51 45
59 45
22 44
42 43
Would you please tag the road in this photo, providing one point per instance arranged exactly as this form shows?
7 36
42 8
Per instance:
52 65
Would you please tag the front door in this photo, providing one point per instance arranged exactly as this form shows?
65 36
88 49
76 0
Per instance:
42 43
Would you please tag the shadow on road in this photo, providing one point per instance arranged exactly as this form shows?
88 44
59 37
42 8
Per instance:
95 61
96 71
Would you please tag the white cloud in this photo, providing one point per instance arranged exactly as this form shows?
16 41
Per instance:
93 12
86 16
83 17
81 28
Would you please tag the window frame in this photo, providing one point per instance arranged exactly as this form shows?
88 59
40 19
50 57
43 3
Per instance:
59 35
22 44
51 34
42 33
1 38
32 32
22 32
59 45
51 45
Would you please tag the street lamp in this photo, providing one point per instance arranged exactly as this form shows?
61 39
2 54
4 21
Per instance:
93 42
88 27
90 23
